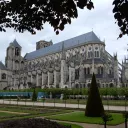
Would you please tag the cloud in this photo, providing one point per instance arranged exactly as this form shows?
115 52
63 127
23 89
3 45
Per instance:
100 19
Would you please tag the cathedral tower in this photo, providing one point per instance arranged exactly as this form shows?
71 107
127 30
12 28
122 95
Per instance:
42 44
13 56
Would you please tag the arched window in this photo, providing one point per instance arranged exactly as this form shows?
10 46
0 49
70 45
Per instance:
88 54
88 70
85 71
98 72
77 74
97 53
102 70
22 64
3 76
17 51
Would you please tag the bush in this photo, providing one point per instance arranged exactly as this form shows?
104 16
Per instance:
34 96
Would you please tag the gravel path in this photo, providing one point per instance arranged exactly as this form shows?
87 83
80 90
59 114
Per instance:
117 108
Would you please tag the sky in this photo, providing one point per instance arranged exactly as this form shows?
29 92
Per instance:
100 20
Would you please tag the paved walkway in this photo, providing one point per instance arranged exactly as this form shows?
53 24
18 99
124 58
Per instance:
116 108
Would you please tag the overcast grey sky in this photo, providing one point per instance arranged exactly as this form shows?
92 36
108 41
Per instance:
100 19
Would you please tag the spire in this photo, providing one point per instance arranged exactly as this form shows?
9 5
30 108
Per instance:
63 52
115 56
15 44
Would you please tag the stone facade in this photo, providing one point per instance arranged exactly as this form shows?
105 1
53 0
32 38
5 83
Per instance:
68 64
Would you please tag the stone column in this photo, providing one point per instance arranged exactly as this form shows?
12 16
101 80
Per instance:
31 78
44 79
93 60
13 65
70 82
37 82
50 78
56 78
63 73
81 75
71 76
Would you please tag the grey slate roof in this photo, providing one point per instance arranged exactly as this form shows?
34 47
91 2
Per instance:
2 66
15 43
89 37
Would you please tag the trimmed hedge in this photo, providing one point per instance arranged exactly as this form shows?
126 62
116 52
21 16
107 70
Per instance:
57 91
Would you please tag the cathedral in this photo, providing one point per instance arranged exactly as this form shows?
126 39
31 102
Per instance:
67 64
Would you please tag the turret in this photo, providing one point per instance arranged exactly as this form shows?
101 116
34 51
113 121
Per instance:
42 44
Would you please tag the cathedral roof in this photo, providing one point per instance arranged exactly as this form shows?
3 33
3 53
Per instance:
86 38
15 43
2 66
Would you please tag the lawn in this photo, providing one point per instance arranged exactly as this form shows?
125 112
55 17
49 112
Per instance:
79 117
6 114
72 125
31 112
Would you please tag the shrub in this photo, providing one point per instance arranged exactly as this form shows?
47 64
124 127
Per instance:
34 96
94 106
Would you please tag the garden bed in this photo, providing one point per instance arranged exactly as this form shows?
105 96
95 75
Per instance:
31 123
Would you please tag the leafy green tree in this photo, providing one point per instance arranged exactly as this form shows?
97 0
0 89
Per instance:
31 15
106 117
34 95
120 11
94 106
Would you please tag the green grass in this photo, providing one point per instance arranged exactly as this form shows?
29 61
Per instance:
30 112
72 125
6 114
79 117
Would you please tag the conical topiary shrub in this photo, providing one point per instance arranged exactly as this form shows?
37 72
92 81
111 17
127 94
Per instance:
94 106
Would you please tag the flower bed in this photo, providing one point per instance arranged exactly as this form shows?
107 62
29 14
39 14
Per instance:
31 123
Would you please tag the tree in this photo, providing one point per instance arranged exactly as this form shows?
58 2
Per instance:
120 11
32 14
94 106
34 95
106 117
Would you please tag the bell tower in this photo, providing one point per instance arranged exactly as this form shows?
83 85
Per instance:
13 56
